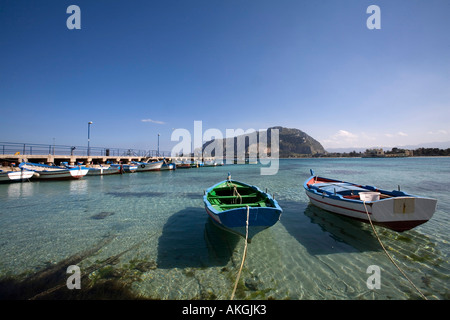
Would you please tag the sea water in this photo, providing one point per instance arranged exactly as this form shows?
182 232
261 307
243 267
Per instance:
155 227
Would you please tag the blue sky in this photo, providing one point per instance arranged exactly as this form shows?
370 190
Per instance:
139 68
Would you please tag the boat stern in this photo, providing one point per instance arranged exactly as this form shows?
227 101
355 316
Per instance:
403 213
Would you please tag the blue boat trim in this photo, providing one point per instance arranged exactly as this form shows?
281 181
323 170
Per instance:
234 219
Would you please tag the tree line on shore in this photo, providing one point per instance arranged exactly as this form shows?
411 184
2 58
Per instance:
419 152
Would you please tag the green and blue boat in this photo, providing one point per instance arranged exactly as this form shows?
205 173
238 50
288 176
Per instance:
230 203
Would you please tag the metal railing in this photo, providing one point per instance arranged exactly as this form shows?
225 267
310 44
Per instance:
12 148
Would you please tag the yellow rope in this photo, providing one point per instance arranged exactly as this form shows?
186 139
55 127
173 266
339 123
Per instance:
244 256
390 258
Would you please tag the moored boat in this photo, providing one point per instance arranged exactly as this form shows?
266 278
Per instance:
395 210
22 175
183 165
48 172
149 166
210 163
103 170
227 204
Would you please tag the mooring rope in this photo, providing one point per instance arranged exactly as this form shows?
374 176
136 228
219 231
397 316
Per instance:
389 256
244 256
235 193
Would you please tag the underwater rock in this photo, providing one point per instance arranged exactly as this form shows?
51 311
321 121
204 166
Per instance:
102 215
145 266
252 284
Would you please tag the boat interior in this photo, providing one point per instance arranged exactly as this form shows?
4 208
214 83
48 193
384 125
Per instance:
345 189
41 168
231 196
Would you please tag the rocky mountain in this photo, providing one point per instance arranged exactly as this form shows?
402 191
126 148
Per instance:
293 143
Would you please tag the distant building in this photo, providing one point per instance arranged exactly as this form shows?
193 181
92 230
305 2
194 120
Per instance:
374 153
395 152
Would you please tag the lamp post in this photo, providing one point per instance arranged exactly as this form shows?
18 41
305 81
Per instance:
158 146
89 138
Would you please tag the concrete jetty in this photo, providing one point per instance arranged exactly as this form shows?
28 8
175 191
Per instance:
74 159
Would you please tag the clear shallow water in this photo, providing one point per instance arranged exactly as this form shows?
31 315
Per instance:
156 225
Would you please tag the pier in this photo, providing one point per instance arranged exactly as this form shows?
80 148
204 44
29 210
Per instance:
55 154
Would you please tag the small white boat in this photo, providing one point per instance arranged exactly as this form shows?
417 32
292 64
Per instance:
15 176
46 172
395 210
149 166
210 163
103 170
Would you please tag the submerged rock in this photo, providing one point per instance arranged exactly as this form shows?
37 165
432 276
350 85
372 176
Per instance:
252 284
101 215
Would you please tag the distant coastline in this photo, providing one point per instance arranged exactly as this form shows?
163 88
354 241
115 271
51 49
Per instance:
393 153
357 157
378 153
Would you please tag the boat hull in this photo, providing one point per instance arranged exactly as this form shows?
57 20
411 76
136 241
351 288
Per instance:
183 166
103 171
44 172
15 176
400 212
149 166
63 174
234 220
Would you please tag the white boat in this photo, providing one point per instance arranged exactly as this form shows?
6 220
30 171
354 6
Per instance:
210 163
395 210
46 172
149 166
15 176
103 170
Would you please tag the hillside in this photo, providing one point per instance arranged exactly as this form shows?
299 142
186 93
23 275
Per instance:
292 143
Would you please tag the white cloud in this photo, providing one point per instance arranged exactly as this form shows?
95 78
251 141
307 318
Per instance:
347 139
438 132
342 138
153 121
345 134
398 134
